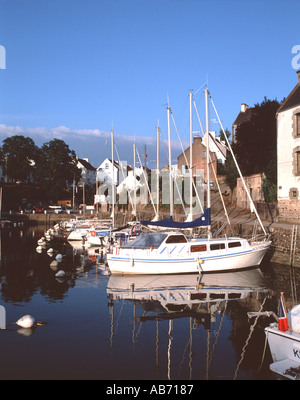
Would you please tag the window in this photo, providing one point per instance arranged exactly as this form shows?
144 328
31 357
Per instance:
217 246
234 244
176 239
298 162
198 247
296 123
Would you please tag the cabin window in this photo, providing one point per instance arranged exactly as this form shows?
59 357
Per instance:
234 244
176 239
145 241
217 246
198 247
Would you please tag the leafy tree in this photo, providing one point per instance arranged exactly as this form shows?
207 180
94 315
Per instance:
56 168
227 133
231 173
256 140
18 155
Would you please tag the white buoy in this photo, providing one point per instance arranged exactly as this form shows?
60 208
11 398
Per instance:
50 251
60 274
53 265
26 322
39 249
58 257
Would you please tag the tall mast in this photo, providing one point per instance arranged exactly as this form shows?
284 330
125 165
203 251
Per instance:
157 169
113 180
190 216
134 180
170 164
207 155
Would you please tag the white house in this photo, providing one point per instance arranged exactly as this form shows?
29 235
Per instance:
108 173
288 155
88 172
217 146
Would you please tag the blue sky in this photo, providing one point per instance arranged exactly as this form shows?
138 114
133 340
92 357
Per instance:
77 68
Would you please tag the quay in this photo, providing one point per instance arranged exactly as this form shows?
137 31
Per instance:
285 248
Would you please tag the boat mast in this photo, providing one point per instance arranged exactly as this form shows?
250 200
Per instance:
134 180
190 216
157 169
170 164
113 183
207 157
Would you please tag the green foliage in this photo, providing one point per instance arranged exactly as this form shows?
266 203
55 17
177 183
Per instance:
256 140
231 173
56 168
53 166
18 154
269 184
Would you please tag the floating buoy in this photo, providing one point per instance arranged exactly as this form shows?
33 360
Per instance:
53 265
50 251
26 322
39 249
58 257
60 273
41 240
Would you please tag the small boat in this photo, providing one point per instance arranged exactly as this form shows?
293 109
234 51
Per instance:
284 340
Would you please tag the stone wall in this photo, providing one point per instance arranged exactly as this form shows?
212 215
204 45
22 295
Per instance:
289 211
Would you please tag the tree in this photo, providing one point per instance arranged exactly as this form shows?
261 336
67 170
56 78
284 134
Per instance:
231 173
222 136
256 146
256 140
56 168
18 155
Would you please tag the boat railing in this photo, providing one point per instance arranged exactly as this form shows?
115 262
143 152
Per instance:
258 238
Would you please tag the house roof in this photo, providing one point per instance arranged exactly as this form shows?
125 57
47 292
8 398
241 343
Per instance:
293 99
86 164
243 116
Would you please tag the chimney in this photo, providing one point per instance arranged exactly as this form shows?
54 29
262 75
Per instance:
244 107
298 72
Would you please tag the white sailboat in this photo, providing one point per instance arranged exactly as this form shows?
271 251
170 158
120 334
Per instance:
175 253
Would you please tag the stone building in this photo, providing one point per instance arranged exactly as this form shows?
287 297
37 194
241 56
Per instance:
199 159
288 156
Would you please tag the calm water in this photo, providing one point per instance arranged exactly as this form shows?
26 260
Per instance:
119 328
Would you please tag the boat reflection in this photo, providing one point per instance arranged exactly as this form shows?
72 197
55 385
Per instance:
186 293
201 300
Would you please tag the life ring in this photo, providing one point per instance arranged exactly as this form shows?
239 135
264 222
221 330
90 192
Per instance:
93 233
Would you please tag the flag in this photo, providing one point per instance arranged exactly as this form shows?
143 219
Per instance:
283 323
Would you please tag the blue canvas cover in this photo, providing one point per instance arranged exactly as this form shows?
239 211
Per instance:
204 220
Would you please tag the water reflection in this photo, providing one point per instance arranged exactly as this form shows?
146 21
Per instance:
25 272
208 301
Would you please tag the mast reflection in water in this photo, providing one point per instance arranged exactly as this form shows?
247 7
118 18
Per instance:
118 327
199 307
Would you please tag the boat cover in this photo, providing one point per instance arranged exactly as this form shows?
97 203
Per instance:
204 220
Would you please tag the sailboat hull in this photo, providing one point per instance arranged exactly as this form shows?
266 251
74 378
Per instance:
151 262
